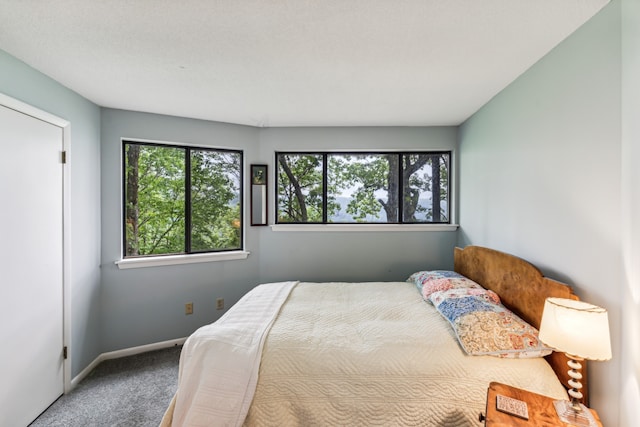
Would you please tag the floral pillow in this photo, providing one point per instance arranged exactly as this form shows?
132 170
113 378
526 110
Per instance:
485 327
422 277
491 297
446 284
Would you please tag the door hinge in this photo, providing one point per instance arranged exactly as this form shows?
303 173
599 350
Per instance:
64 157
64 352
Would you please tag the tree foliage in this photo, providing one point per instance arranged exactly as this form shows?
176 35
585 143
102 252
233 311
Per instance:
215 183
300 188
378 187
157 196
362 177
155 200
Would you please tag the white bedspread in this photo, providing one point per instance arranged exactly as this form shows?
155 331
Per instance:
219 363
361 354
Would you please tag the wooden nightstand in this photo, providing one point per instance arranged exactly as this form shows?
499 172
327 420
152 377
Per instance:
541 410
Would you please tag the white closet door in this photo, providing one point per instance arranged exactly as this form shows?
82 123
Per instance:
31 266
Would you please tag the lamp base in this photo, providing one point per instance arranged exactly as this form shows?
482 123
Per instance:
568 414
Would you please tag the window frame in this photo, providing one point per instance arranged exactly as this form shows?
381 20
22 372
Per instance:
188 255
349 226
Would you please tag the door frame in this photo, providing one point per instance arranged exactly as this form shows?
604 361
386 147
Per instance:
65 125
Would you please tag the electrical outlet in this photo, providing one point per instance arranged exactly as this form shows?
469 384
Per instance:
188 308
220 304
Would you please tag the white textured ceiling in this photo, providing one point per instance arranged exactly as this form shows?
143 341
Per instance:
290 62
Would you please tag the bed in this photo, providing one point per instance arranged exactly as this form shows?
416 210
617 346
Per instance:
374 353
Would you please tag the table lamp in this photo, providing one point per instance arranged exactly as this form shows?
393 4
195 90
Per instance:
581 331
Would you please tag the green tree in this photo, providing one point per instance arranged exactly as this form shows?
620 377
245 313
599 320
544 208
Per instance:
215 210
155 198
132 213
372 181
165 214
363 176
300 188
423 173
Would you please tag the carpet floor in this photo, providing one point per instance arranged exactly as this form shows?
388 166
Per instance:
132 391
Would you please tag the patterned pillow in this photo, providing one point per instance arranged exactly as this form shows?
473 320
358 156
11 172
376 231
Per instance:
445 284
491 297
484 327
421 277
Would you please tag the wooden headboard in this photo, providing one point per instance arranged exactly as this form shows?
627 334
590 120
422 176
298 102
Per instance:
522 288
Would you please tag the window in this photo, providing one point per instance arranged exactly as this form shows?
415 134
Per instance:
351 188
181 200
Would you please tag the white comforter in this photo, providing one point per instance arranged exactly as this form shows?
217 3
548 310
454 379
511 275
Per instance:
373 354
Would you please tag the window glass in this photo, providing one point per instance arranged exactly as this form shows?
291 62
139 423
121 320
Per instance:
425 188
358 188
300 188
180 199
368 188
215 200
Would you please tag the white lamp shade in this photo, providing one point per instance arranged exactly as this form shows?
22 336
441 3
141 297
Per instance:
576 328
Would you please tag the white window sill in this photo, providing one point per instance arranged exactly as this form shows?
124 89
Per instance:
158 261
364 227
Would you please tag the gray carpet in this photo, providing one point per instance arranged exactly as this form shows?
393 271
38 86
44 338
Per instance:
132 391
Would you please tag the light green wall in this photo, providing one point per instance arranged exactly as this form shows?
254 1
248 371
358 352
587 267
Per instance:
22 82
540 177
630 335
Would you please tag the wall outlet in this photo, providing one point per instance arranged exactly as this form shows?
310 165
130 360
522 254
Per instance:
188 308
220 304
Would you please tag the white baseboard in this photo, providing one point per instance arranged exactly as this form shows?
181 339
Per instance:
122 353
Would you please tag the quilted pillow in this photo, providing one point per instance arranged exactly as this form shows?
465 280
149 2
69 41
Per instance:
484 327
445 284
422 277
437 297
